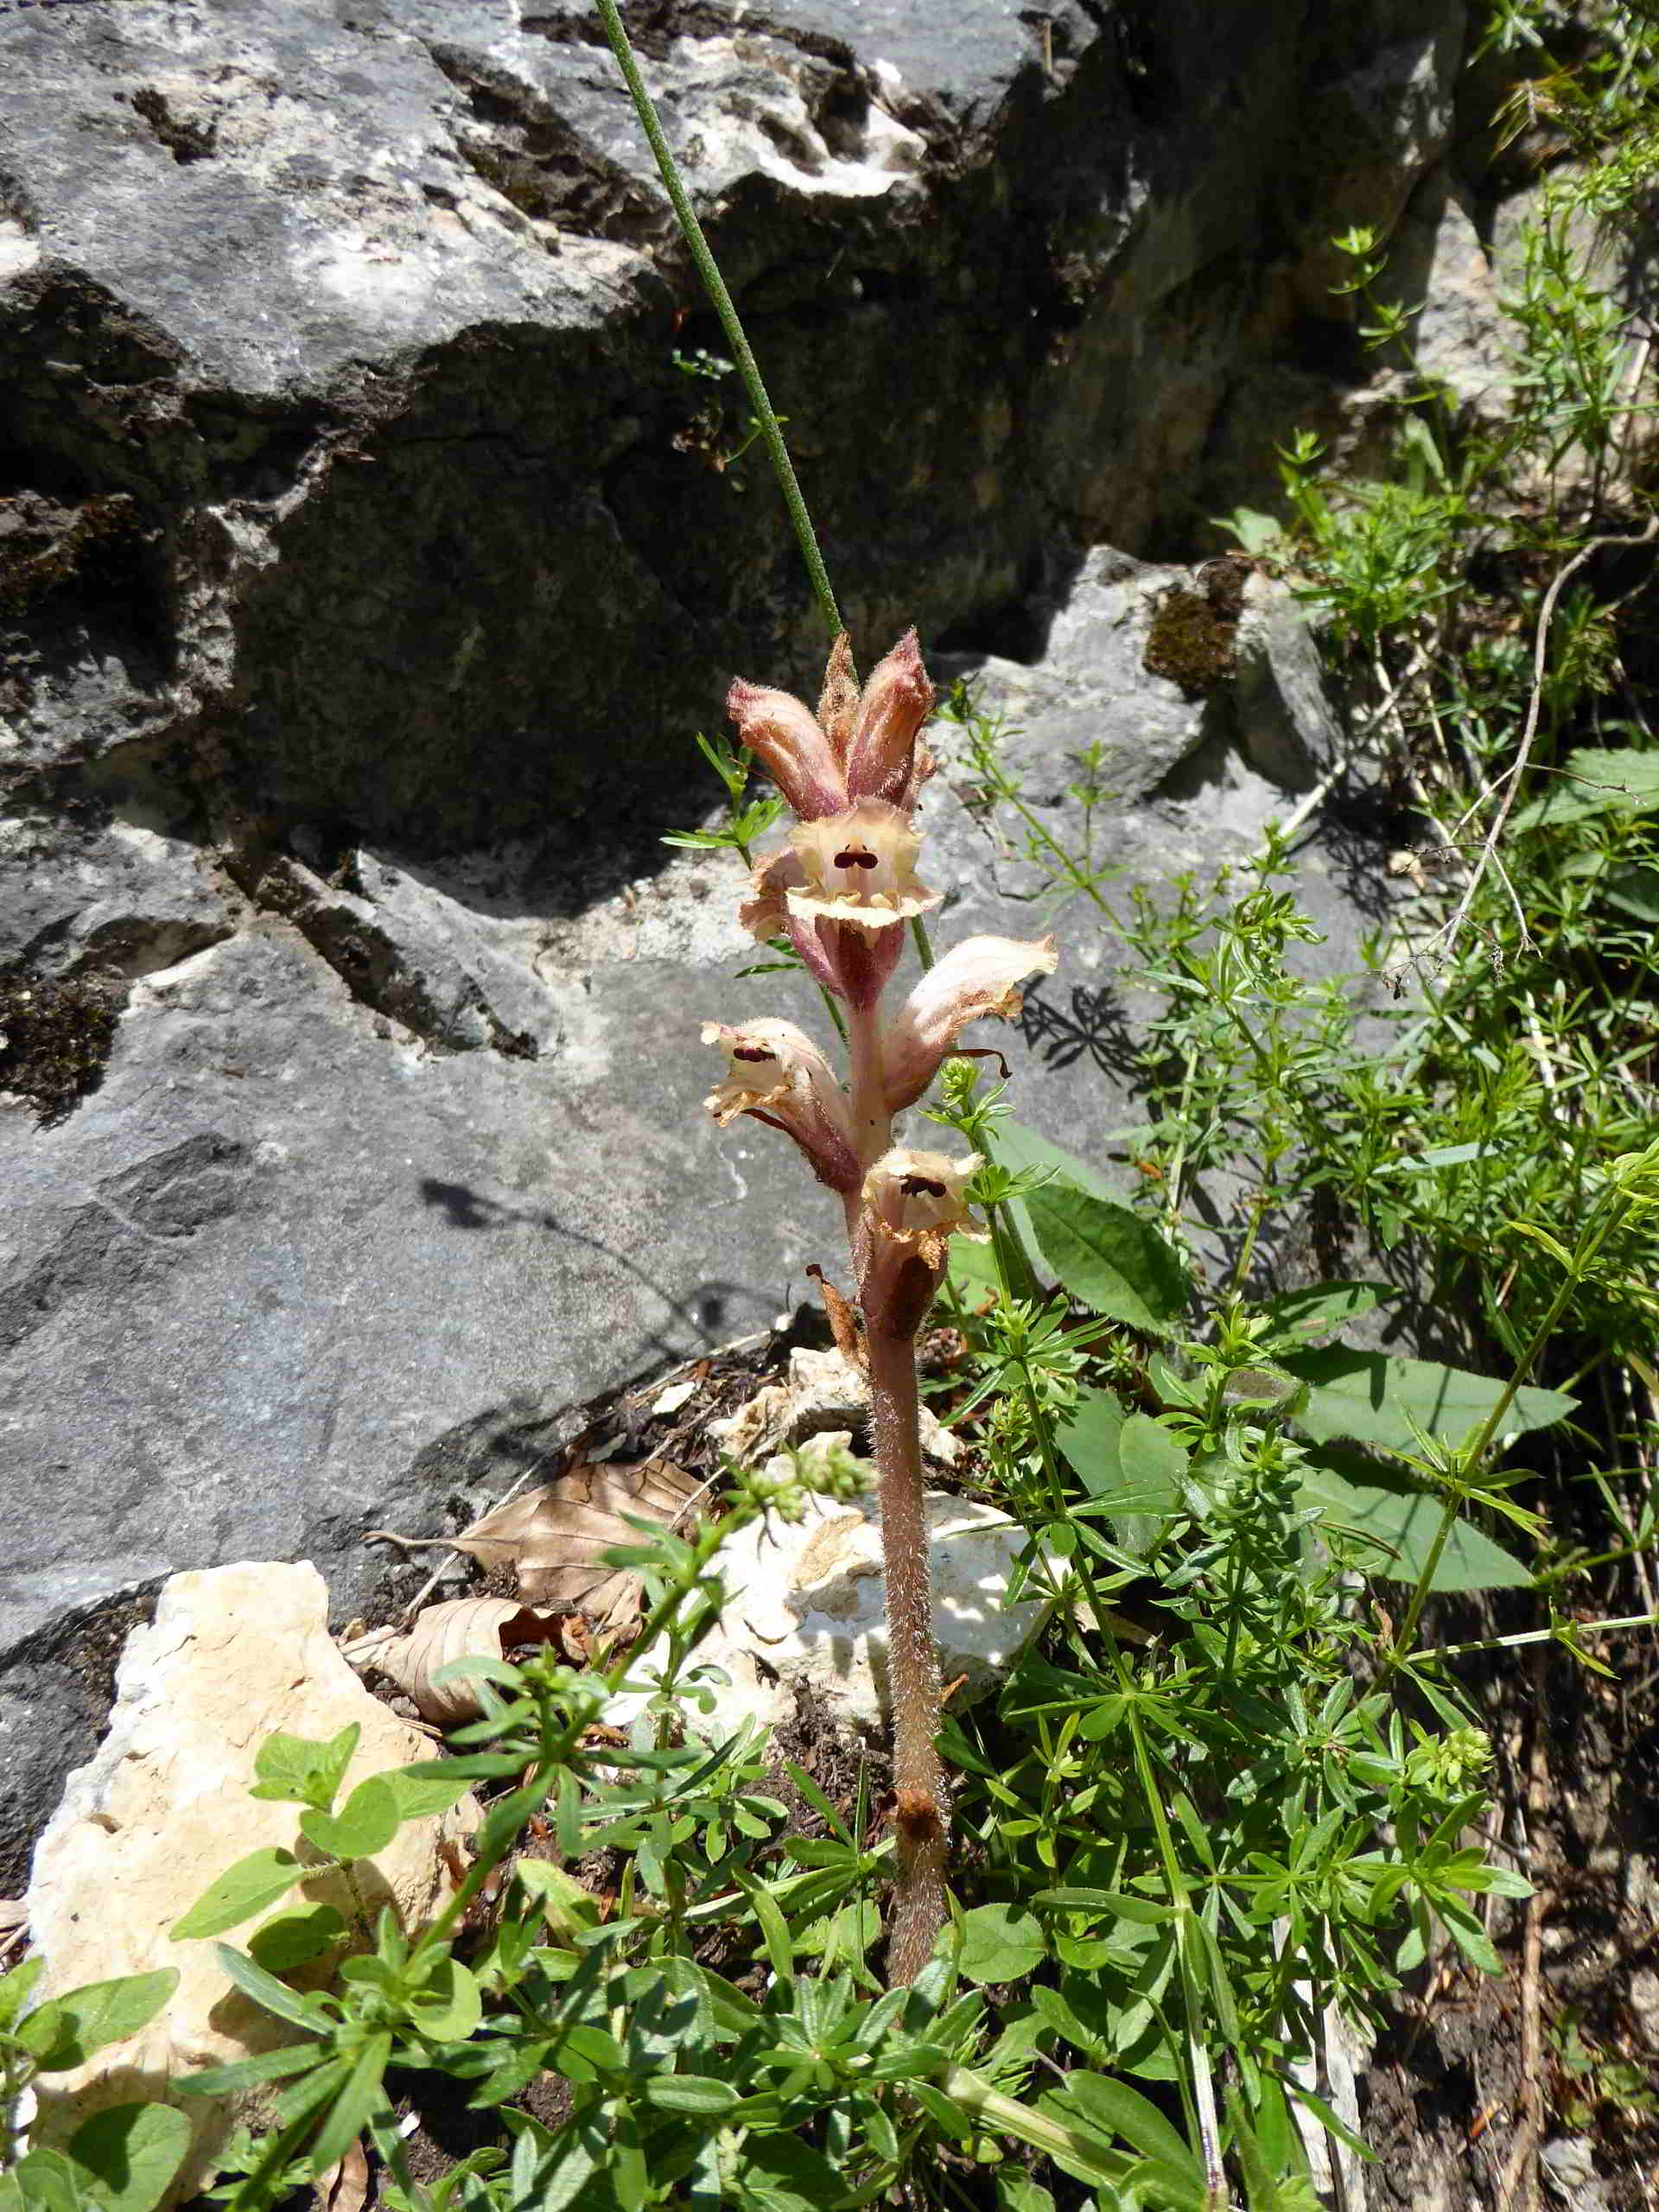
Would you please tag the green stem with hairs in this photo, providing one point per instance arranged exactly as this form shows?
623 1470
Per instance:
714 284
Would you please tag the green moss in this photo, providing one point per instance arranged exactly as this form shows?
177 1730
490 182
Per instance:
54 1039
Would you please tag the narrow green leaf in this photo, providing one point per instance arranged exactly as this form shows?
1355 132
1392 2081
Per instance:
694 2092
361 2094
1123 2111
247 2073
271 1995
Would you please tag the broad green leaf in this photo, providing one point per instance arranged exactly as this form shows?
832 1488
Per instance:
1324 1307
48 2182
1017 1146
567 1904
294 1939
696 2093
1001 1943
785 2171
240 1892
426 1789
15 1986
1133 1473
1374 1399
66 2033
1634 890
1107 1257
449 2007
295 1771
1353 1492
1596 781
131 2152
365 1823
1119 2110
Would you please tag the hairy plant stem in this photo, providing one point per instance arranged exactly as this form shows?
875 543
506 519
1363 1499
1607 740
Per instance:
714 284
921 1814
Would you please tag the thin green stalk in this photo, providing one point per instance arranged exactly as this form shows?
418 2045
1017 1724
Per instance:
1594 1236
714 284
1539 1635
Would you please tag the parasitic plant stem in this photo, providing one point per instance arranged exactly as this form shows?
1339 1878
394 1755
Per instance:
922 1807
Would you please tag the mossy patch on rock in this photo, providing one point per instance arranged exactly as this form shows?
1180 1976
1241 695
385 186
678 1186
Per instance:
55 1038
1194 632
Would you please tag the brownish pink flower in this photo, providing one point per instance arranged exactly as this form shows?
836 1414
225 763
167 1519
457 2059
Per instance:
914 1204
895 702
785 737
775 1072
975 978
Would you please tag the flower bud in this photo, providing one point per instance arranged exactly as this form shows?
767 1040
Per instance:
894 705
785 737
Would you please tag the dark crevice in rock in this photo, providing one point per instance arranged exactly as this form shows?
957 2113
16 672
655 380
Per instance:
524 149
56 1034
56 1690
185 139
381 972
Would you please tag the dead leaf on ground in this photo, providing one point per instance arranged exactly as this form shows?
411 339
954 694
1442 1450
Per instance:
552 1538
343 2187
460 1628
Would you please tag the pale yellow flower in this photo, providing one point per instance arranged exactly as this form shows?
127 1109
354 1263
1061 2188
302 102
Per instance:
858 867
775 1072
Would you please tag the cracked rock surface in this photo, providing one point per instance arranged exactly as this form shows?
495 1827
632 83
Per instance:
370 545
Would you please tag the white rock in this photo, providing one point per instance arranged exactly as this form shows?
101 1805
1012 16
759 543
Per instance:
163 1809
823 1392
805 1606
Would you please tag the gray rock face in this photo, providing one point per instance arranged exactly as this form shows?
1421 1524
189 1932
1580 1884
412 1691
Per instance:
371 543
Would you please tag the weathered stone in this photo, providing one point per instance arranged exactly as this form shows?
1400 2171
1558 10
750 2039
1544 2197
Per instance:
234 1654
366 559
823 1393
805 1609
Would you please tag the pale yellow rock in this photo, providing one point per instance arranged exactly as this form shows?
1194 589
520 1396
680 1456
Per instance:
234 1653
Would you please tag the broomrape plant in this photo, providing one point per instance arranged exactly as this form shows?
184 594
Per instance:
841 889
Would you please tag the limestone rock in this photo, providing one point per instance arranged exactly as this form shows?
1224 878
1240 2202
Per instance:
823 1393
805 1608
234 1653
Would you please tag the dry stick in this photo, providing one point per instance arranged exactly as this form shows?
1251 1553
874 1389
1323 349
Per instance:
1512 775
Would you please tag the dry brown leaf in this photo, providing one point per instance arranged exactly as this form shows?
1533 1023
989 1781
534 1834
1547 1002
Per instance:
343 2187
460 1628
552 1538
